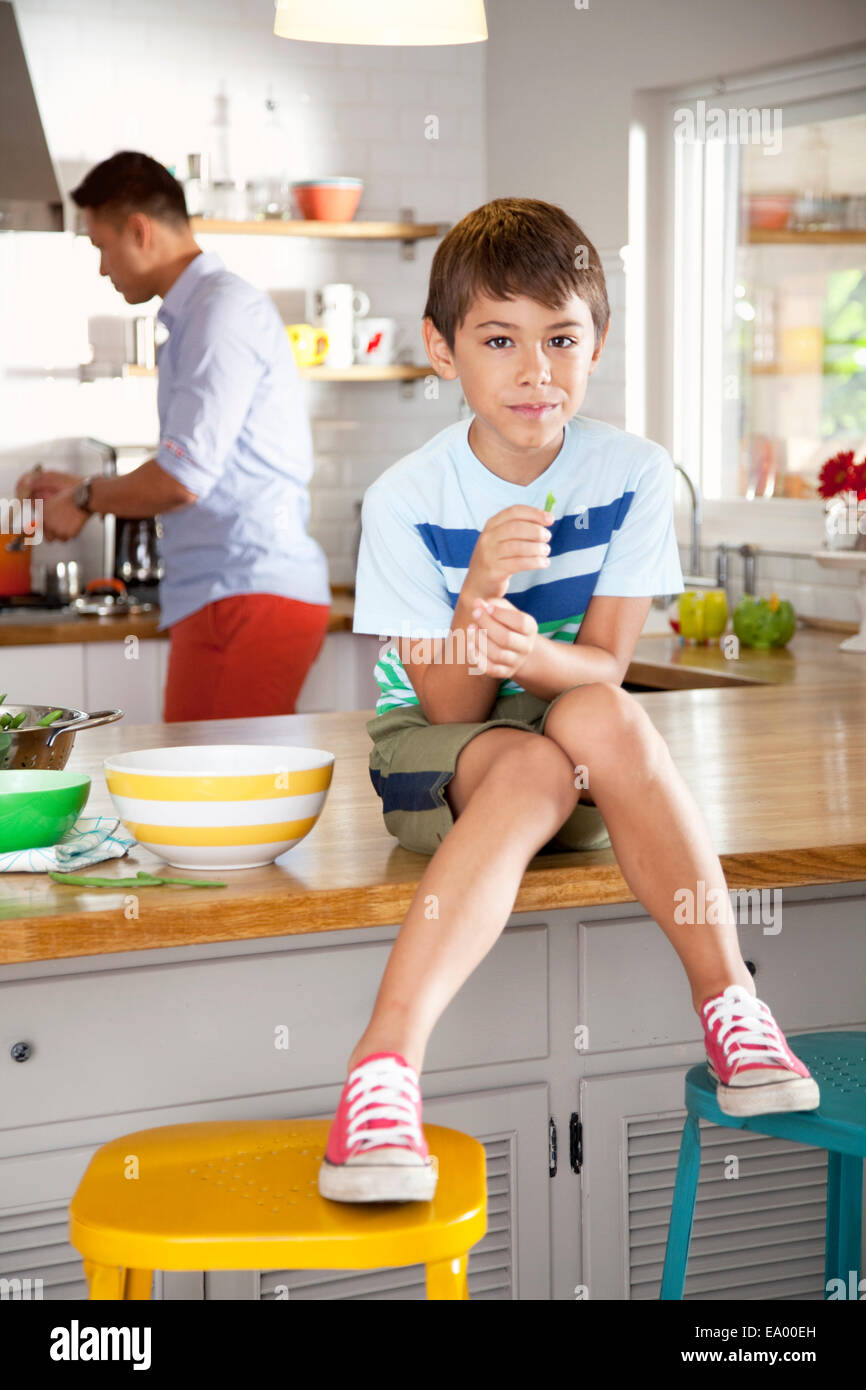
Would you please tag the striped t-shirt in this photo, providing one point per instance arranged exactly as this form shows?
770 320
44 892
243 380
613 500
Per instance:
612 534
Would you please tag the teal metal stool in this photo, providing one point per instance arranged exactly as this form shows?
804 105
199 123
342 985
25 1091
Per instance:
838 1063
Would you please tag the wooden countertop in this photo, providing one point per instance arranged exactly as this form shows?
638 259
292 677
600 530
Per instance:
20 629
778 769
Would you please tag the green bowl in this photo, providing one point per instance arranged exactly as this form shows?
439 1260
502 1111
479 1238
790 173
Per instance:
37 807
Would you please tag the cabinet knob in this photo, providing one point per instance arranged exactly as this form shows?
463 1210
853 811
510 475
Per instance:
20 1051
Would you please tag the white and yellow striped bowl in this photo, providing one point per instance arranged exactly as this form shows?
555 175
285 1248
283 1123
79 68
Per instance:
224 806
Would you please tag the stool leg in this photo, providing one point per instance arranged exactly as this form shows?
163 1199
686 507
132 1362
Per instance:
831 1243
850 1218
138 1285
447 1278
103 1281
682 1211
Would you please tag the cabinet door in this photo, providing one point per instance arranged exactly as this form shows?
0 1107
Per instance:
341 677
759 1222
46 675
513 1258
318 694
126 675
34 1220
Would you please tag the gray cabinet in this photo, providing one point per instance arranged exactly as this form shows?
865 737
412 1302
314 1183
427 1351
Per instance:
582 1015
123 1044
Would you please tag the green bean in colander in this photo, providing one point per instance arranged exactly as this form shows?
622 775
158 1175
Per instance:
49 718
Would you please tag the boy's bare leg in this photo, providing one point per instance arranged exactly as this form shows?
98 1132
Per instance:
506 813
511 791
656 828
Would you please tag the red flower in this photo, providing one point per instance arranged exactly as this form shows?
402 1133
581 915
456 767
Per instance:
835 474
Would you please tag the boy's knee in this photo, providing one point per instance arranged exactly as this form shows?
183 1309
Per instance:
533 764
613 723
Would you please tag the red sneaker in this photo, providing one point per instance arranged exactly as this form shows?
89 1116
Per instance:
376 1150
756 1071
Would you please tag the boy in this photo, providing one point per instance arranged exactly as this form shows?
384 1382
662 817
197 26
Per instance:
479 735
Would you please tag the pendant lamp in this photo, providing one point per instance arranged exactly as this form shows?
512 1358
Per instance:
382 21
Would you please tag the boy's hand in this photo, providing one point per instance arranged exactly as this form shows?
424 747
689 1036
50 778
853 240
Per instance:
512 540
510 637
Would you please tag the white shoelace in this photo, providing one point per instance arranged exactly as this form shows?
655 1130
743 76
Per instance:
383 1090
755 1025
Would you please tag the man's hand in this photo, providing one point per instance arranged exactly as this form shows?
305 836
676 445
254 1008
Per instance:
61 519
510 638
44 483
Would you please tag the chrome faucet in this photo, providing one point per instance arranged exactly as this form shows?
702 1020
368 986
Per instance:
697 518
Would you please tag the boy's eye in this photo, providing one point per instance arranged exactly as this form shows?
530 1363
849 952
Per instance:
559 341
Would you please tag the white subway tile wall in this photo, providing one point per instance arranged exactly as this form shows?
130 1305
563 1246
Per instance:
109 75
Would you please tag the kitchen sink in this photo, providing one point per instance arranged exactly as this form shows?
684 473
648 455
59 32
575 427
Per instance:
648 677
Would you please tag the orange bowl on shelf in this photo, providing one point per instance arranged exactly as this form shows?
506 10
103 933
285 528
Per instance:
770 211
328 200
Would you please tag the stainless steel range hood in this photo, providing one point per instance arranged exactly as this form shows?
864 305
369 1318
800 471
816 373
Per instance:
30 197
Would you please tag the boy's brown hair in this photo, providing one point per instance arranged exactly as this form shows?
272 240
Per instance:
511 247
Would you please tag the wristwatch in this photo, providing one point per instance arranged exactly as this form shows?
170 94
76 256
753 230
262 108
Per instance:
82 494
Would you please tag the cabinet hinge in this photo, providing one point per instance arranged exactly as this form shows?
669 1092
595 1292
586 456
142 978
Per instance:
575 1142
551 1147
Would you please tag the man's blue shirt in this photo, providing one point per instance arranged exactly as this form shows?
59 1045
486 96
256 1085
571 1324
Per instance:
234 430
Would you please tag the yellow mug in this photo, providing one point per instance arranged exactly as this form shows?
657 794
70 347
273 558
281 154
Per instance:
310 345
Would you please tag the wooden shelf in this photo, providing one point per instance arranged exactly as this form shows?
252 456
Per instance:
345 231
773 369
786 237
395 372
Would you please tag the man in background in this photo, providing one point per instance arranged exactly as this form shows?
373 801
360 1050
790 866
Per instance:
245 597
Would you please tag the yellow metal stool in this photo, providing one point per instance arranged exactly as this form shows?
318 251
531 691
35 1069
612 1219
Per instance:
244 1195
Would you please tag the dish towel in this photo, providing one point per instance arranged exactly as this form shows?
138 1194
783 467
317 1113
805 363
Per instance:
91 840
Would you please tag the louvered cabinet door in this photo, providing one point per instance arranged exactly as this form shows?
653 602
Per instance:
36 1259
758 1231
511 1261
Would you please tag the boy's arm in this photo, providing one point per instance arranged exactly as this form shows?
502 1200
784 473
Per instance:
602 650
447 692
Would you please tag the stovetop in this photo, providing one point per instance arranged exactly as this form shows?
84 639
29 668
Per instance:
42 608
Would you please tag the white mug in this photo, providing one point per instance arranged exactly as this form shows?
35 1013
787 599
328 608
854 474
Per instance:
375 341
335 308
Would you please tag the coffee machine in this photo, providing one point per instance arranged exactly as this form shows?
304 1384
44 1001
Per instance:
137 559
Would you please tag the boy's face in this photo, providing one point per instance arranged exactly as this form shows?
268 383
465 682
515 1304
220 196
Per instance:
523 367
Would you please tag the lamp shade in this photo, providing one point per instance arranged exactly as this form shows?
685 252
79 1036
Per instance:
382 21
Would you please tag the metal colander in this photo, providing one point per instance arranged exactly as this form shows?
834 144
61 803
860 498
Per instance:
48 747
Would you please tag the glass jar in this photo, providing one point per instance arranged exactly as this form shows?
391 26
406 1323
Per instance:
228 201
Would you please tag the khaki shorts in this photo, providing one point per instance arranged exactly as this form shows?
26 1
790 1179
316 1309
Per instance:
412 761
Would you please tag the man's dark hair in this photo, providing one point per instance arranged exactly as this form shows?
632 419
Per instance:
132 182
511 247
